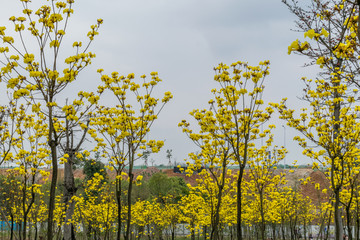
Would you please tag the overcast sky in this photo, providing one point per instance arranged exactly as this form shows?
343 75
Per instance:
183 41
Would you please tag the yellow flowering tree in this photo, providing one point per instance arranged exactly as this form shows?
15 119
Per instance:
356 213
215 156
171 216
262 183
331 28
338 139
39 74
29 152
10 202
38 214
121 130
74 122
234 118
165 216
349 193
194 211
214 188
96 208
7 130
142 217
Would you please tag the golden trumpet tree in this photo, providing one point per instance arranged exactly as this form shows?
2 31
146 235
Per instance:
95 209
262 183
337 139
153 217
7 130
215 157
219 197
331 28
39 74
234 119
29 152
194 212
142 217
121 131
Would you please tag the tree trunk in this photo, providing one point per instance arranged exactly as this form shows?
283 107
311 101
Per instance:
173 233
274 232
238 200
148 232
19 230
119 206
242 164
263 226
11 227
50 226
192 231
328 227
348 221
216 218
24 220
337 185
282 230
69 192
339 232
357 231
205 232
128 220
24 228
36 232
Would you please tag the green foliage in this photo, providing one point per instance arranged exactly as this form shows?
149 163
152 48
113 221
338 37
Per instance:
141 192
161 185
94 166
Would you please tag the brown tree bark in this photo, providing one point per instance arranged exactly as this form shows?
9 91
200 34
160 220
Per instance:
69 180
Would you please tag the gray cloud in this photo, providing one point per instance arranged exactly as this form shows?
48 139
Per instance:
183 41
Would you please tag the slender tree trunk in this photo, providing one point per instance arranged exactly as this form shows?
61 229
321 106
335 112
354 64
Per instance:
192 231
172 233
348 221
328 227
242 164
128 220
337 185
11 227
24 210
205 232
292 230
131 178
69 192
19 230
24 228
274 232
357 231
52 190
263 226
36 231
282 229
239 203
339 232
148 232
119 206
239 232
215 222
321 230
